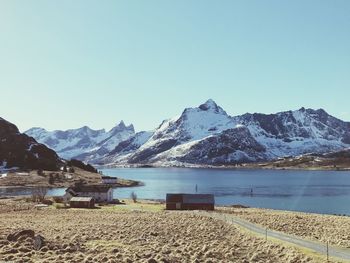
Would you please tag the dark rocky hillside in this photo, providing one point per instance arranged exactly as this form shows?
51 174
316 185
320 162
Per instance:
20 150
81 165
226 148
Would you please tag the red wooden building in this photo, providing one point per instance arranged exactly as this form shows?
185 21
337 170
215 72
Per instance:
190 202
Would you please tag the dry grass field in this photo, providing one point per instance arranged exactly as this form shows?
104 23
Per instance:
323 228
141 232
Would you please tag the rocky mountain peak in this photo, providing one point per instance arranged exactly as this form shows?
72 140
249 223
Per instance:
322 111
122 127
210 105
84 129
35 129
121 124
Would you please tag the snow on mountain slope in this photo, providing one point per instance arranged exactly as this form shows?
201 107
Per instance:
197 123
132 143
193 124
230 146
125 148
205 135
83 142
208 135
297 132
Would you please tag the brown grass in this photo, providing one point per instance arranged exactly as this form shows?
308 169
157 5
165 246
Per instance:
323 228
112 235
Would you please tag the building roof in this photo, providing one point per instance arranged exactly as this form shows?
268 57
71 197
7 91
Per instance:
81 199
198 199
98 188
108 177
191 198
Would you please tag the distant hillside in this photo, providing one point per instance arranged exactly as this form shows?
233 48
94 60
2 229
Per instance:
20 150
339 160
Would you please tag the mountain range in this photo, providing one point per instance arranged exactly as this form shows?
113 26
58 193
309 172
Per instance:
83 143
204 135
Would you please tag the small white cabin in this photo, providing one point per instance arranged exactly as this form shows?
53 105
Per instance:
100 193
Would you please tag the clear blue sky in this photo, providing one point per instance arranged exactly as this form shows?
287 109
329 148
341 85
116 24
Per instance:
65 64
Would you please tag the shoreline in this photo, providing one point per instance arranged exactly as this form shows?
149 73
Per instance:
136 184
243 167
58 179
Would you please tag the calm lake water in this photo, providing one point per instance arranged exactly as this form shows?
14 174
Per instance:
309 191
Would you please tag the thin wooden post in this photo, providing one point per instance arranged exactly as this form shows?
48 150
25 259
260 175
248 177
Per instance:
266 234
327 252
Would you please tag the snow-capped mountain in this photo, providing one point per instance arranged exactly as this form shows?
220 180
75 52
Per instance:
297 132
19 150
205 135
174 135
208 135
229 146
84 143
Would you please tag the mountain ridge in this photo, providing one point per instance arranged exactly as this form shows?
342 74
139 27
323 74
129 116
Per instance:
296 132
73 143
208 135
